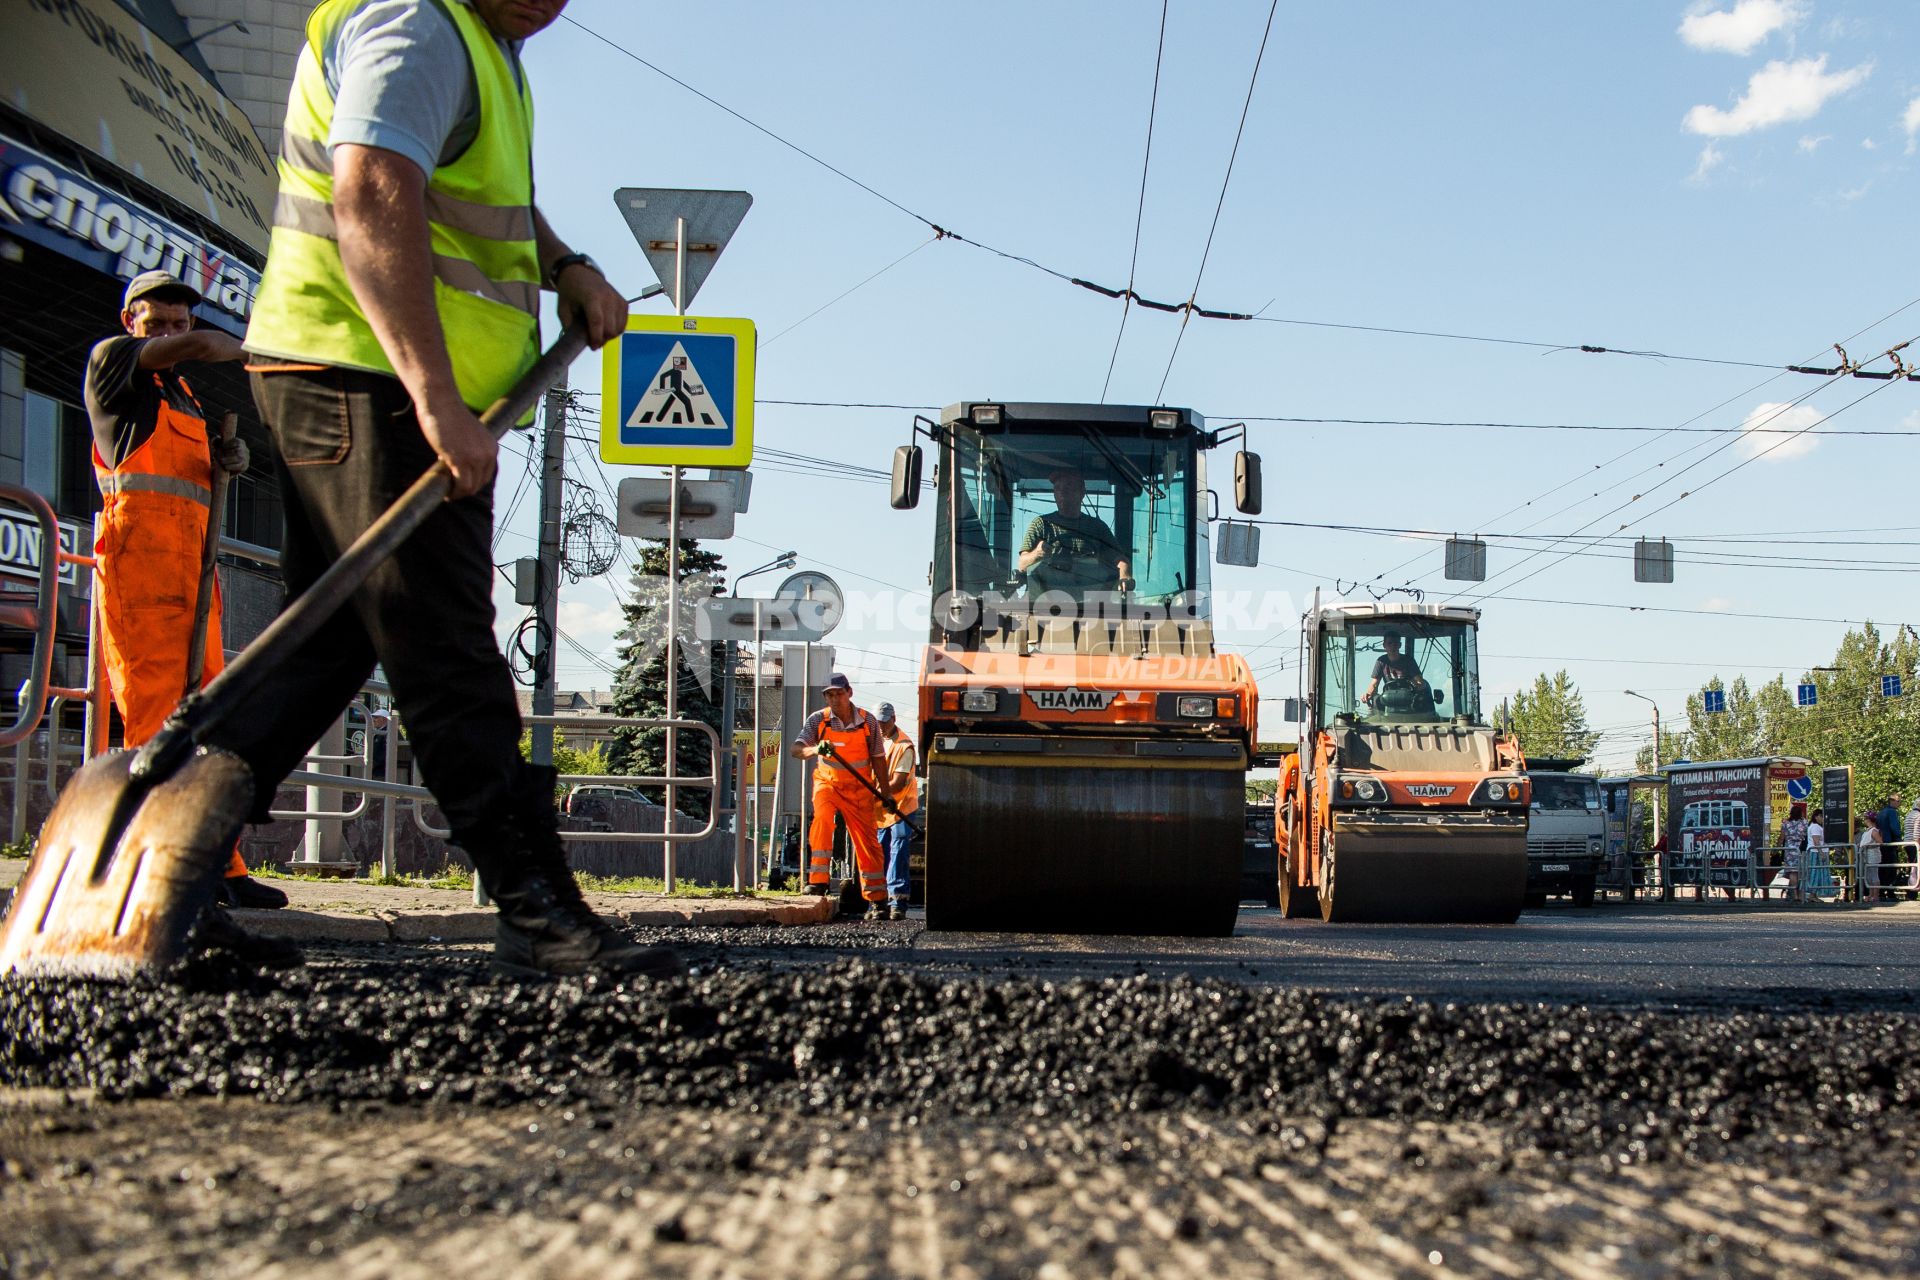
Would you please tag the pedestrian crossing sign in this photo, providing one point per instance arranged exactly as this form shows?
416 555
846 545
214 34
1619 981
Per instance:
681 392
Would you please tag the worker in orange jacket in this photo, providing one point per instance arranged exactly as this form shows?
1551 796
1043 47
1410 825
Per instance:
151 457
857 751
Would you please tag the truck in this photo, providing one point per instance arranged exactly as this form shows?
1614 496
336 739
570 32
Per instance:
1087 738
1566 831
1402 803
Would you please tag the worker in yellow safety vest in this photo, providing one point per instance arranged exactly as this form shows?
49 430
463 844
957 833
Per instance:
845 741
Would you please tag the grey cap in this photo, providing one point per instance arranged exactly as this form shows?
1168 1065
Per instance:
886 713
150 282
837 681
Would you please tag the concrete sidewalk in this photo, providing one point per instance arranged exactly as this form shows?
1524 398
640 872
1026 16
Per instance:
357 911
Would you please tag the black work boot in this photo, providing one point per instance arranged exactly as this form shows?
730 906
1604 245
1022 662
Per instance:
545 928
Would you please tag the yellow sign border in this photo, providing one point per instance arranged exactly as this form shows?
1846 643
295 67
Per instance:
737 454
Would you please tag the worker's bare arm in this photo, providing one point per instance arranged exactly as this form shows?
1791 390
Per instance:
583 292
209 345
379 200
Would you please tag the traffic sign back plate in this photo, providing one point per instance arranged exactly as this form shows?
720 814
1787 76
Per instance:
681 392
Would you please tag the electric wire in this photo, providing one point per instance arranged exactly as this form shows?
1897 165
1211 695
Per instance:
1140 211
1205 253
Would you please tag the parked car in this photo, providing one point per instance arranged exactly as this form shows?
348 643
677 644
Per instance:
588 792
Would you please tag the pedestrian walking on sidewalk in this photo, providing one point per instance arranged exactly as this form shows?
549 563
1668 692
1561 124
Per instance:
896 834
155 464
401 297
846 746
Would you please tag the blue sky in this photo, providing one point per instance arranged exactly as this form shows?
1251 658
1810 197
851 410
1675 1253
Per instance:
1734 181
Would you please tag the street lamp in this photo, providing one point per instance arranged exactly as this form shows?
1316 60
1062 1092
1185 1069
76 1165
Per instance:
1656 724
1666 884
785 560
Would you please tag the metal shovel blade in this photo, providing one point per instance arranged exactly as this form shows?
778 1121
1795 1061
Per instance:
123 868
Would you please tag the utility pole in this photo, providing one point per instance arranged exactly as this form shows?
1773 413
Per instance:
553 470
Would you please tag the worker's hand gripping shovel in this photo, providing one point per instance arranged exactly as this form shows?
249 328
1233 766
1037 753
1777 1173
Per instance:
886 801
136 842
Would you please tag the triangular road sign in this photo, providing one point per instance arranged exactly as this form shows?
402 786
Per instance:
677 397
653 214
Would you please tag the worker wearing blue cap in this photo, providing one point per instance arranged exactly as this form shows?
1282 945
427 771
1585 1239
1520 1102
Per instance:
846 742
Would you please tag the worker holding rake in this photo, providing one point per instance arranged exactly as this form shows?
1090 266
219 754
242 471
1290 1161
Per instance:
846 742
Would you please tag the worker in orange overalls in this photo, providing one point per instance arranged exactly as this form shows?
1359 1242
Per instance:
151 457
854 737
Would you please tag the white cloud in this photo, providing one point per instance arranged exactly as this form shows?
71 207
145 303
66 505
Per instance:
1716 604
1852 194
1741 28
1764 427
1777 93
1911 123
1868 144
1912 421
1711 158
1811 145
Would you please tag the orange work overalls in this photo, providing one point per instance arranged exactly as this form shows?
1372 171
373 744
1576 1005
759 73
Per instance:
837 791
147 545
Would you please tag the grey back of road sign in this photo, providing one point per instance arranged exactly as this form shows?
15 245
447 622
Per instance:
706 508
653 215
782 620
1467 559
1239 544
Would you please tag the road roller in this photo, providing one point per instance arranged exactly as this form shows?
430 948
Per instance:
1086 739
1402 802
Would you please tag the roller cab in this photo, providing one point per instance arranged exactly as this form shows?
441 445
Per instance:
1086 739
1403 804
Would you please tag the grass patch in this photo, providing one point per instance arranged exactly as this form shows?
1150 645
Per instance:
19 849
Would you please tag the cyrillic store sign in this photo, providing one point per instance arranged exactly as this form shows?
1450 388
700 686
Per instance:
88 70
43 201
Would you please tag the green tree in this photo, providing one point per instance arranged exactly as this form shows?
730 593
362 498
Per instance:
640 689
1738 733
1551 719
569 759
1853 722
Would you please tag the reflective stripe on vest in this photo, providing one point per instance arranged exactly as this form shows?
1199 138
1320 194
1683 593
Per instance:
480 212
141 482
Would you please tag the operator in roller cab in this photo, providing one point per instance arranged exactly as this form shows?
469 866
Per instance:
1071 550
1400 674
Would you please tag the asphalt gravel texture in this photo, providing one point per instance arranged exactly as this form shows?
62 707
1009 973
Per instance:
827 1035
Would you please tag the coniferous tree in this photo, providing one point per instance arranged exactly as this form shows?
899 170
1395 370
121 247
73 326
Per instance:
640 689
1550 719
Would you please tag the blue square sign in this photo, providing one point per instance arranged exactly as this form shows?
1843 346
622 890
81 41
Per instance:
1807 696
678 390
1889 686
1714 701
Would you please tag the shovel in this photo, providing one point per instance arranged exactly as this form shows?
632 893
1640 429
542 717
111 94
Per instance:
136 842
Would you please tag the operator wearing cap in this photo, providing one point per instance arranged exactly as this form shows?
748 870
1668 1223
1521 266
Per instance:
896 834
151 457
847 743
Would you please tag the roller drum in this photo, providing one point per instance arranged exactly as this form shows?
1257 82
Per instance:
1460 874
1034 845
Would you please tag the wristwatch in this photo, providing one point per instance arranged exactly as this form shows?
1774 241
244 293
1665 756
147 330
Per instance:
566 260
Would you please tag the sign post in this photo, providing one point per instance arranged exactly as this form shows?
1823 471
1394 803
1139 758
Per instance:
676 417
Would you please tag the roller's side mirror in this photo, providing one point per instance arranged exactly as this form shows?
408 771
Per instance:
906 477
1246 482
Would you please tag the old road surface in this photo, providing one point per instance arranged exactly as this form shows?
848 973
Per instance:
1618 1091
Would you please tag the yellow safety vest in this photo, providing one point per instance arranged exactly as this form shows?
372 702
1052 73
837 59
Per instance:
486 266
